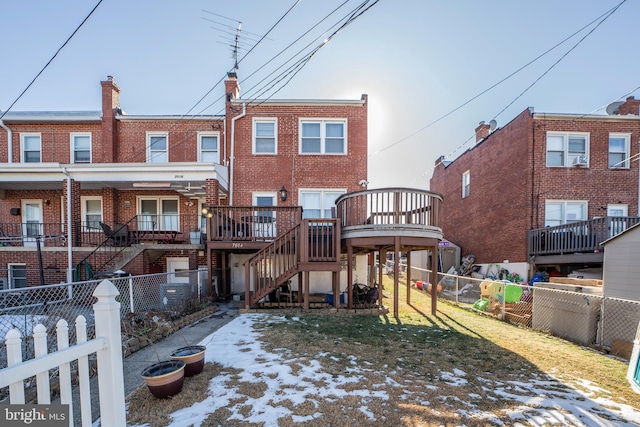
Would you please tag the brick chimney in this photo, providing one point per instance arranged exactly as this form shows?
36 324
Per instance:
110 105
232 88
630 106
482 131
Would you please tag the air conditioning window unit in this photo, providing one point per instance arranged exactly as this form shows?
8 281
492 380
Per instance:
580 161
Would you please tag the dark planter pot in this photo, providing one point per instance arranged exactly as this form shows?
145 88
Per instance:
193 356
165 379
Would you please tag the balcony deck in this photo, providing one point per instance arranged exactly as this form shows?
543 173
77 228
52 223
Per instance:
578 241
375 218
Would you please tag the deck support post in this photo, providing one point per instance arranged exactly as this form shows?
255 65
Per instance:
433 279
408 277
396 273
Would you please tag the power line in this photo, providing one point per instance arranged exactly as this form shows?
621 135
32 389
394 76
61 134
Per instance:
497 83
51 60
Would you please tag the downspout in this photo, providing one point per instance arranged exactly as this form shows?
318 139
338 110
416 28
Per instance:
69 230
9 142
233 146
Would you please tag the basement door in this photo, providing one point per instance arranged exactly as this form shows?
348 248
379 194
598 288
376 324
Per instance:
178 268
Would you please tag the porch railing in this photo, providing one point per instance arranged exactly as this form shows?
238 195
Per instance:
577 237
30 233
311 241
405 207
250 223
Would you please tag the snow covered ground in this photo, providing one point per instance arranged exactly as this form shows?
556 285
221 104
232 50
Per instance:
543 401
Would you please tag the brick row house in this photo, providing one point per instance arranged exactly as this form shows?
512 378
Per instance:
87 193
544 190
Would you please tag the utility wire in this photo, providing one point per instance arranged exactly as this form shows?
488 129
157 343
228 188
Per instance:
561 58
51 60
497 83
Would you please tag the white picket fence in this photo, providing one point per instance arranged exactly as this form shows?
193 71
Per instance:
106 345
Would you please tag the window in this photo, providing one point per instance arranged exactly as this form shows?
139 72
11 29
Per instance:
158 214
91 213
323 137
80 148
208 148
157 148
31 147
558 212
466 181
264 136
567 149
17 276
318 203
619 150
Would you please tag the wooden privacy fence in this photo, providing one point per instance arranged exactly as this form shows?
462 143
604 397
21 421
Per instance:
106 345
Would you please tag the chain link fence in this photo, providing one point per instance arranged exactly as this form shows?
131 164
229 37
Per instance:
586 318
170 296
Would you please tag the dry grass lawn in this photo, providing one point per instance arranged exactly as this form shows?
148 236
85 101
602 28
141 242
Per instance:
413 355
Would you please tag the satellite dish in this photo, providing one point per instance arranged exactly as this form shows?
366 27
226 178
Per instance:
492 125
613 108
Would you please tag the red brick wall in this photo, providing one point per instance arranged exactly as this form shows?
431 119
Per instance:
268 173
510 183
492 221
597 183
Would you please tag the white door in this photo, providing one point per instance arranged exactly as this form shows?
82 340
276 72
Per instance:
179 269
618 225
32 226
264 220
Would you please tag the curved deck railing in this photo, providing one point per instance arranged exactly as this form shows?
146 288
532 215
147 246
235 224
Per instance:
390 211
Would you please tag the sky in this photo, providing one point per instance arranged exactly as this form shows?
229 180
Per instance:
417 60
285 380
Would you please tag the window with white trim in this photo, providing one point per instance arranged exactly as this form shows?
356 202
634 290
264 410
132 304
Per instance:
265 136
567 149
559 212
157 147
17 275
30 148
323 136
466 182
80 148
91 211
619 144
208 147
318 203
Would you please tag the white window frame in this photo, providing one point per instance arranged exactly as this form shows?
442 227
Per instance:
201 150
151 154
625 155
83 212
466 184
567 156
12 279
323 138
72 138
254 134
565 220
322 192
162 220
22 146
